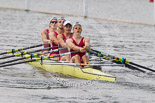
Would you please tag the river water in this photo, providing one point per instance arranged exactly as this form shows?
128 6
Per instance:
24 83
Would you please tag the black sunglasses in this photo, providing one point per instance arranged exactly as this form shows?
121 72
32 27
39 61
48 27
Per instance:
53 22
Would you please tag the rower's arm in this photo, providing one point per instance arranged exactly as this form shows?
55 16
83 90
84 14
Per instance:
53 38
87 43
43 36
71 45
61 41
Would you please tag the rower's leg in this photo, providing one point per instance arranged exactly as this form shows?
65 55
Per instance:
76 59
68 58
85 59
65 58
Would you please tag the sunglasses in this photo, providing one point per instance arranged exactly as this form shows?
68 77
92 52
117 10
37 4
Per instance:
61 21
53 22
77 27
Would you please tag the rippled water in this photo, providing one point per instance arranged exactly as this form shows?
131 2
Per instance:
23 83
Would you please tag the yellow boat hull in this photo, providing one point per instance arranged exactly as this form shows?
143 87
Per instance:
84 73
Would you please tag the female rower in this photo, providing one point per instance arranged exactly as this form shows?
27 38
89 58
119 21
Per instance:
62 40
45 33
53 35
77 42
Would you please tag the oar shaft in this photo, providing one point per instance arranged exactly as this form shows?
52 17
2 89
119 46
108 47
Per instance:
24 53
134 68
142 66
7 57
117 60
17 50
32 60
43 49
126 61
34 46
13 60
3 53
40 58
33 55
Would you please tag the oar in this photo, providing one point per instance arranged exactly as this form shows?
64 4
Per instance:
40 58
126 61
129 66
17 50
118 60
142 66
24 53
33 55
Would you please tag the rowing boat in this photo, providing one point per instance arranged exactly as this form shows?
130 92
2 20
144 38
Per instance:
88 73
75 70
72 69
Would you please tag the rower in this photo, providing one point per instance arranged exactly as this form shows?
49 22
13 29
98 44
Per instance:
53 35
62 40
45 32
77 42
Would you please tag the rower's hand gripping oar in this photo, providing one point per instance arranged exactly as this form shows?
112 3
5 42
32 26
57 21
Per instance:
41 58
21 49
121 60
24 53
33 55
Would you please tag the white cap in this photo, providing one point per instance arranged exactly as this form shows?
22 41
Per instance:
77 23
53 18
67 22
61 18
